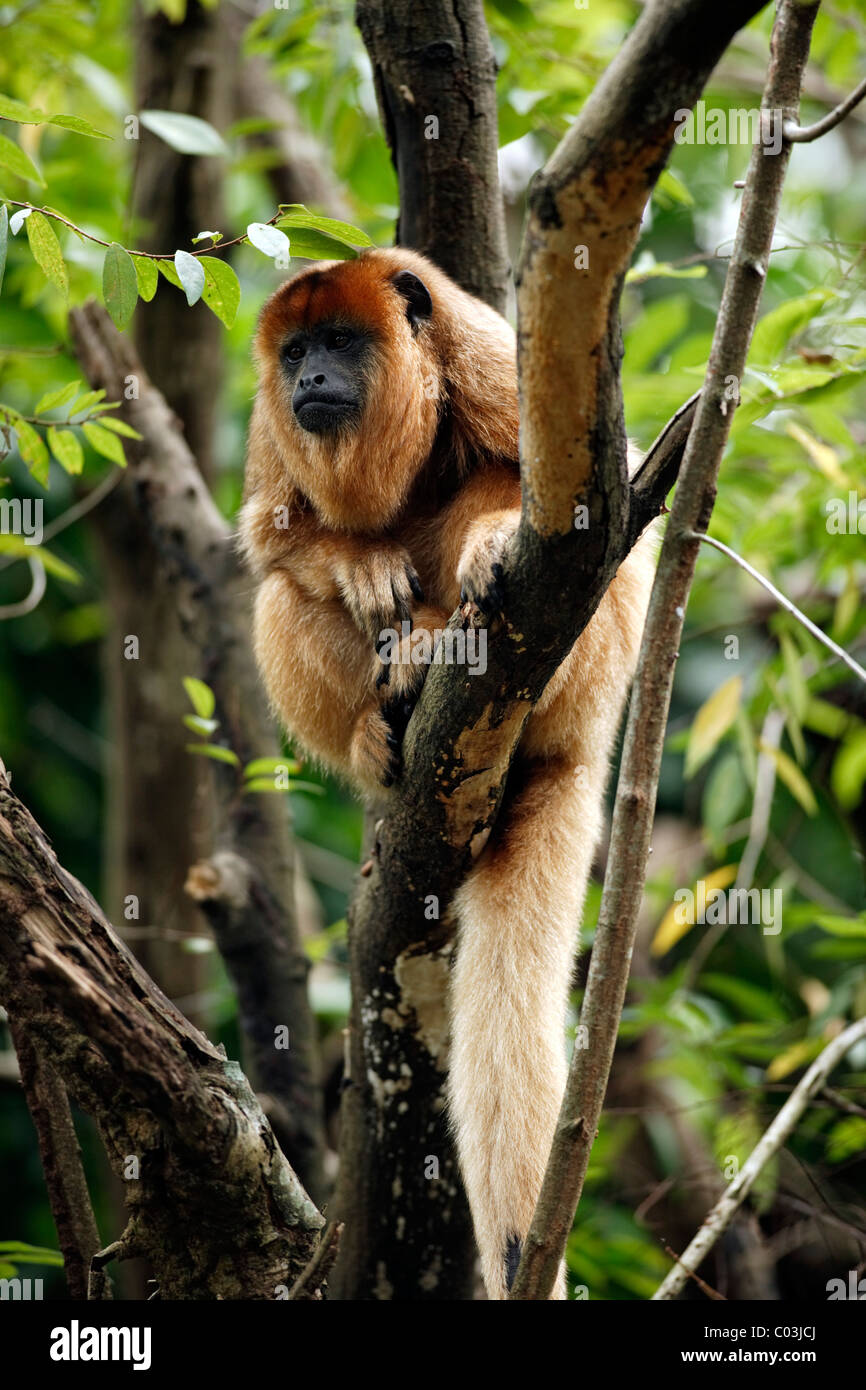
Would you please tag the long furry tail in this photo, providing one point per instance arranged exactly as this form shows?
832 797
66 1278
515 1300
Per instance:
518 915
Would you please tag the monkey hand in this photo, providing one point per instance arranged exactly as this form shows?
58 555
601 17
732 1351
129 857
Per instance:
479 570
377 740
377 586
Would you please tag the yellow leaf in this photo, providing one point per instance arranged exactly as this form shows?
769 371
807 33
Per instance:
675 923
799 1054
823 457
712 722
792 777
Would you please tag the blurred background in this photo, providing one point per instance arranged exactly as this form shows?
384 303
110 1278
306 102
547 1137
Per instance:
719 1023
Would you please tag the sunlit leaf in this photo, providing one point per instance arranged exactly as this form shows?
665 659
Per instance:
147 276
191 276
200 695
13 158
790 774
104 442
66 448
46 251
712 722
186 134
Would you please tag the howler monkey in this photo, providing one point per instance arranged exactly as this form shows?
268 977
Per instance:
382 484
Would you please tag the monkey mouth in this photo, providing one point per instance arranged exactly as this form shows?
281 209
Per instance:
325 414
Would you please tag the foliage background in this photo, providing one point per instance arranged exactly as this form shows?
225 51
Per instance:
710 1044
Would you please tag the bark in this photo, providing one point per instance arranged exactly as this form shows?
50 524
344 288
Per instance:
650 701
405 1236
244 881
213 1203
186 67
69 1198
435 77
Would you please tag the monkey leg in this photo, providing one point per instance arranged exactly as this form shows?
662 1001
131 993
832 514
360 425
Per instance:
321 675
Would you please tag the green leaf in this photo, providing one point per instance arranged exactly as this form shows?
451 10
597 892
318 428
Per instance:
222 290
119 284
712 722
79 125
120 427
848 774
147 276
17 545
13 110
104 442
265 767
66 448
52 399
212 750
30 1254
205 727
31 446
4 239
13 158
187 134
315 246
86 401
191 276
46 251
295 216
201 696
846 1139
265 784
776 329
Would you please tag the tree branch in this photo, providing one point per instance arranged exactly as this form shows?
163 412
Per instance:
801 134
214 1204
463 734
254 925
48 1104
435 77
650 700
719 1219
788 606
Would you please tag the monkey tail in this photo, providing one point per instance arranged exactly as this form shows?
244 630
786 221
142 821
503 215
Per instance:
518 915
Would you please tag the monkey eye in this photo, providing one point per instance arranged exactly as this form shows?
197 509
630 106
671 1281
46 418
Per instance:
294 352
340 338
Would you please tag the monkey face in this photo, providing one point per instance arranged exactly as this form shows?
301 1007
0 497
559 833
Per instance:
326 368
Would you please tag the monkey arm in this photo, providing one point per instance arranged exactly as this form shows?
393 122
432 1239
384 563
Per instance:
476 528
373 576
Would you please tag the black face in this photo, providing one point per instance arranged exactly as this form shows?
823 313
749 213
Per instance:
326 369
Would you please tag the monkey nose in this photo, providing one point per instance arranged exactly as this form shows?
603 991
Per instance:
307 381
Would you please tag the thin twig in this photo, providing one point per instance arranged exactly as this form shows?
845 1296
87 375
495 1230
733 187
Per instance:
311 1279
37 590
69 1198
800 134
767 1146
634 808
785 603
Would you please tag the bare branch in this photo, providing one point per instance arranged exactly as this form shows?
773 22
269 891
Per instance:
197 565
650 700
787 605
801 134
767 1146
214 1204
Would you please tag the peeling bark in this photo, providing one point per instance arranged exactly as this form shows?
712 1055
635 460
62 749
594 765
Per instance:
213 1203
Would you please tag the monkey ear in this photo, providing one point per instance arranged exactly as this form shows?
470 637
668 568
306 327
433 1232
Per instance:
419 305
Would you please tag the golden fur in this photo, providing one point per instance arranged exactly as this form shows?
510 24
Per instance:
430 481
